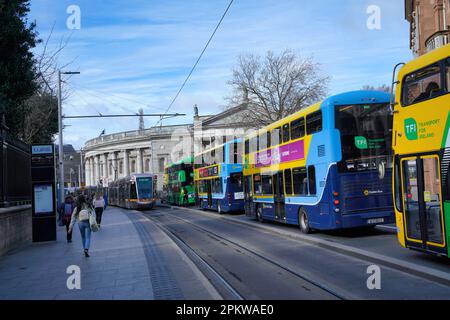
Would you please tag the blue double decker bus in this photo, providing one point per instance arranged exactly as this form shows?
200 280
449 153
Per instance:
324 167
218 178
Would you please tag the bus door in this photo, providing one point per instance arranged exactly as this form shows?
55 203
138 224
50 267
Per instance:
209 191
279 199
422 203
248 196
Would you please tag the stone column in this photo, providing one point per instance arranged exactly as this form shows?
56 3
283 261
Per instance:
98 174
126 165
139 165
92 172
115 169
87 171
105 166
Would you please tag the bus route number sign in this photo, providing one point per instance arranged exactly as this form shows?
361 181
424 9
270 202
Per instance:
209 172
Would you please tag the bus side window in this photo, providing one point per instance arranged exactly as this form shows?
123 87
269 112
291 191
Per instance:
275 136
218 185
312 180
253 145
267 185
257 184
213 157
263 141
288 181
286 133
237 156
314 122
298 128
300 179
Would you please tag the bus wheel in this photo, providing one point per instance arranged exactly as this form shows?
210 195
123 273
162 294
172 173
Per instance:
259 214
304 222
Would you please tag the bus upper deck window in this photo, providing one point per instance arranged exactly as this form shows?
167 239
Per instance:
269 138
422 85
253 145
263 143
276 136
298 128
314 122
286 133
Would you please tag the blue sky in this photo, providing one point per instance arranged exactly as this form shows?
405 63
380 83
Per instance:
135 54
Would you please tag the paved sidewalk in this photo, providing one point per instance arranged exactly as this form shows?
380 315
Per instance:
125 263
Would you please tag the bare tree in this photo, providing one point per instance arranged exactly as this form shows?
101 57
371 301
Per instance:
275 87
382 88
41 120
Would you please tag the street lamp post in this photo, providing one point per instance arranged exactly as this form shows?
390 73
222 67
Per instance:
60 131
81 171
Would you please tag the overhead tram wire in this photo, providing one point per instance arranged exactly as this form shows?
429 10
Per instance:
196 63
102 99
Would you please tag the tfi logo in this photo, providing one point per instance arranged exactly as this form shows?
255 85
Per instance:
411 129
361 143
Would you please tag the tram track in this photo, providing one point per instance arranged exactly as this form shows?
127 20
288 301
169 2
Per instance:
404 267
233 288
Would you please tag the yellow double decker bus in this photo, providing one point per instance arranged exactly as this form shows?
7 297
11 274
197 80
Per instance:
422 153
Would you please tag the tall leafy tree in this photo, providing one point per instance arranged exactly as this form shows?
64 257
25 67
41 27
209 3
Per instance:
17 65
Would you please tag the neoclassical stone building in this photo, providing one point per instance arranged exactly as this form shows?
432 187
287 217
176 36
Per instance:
114 156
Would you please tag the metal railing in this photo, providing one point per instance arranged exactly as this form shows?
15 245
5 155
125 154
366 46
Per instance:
437 40
15 172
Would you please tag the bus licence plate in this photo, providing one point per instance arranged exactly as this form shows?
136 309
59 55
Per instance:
238 196
373 221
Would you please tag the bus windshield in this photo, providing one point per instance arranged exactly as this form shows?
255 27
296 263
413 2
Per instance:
365 136
144 186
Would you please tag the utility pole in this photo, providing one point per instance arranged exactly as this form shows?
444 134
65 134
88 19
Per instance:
81 172
61 142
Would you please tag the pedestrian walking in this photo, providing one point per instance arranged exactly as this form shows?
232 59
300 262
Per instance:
99 206
81 214
105 197
66 210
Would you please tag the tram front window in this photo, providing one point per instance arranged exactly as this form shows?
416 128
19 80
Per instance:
144 187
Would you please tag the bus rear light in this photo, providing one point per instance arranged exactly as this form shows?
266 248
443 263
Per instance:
335 193
336 202
337 210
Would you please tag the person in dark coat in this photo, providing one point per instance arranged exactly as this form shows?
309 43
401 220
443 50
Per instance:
66 210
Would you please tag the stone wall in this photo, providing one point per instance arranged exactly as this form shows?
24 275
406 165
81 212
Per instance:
15 228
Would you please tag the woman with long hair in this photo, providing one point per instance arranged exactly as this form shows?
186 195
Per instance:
81 215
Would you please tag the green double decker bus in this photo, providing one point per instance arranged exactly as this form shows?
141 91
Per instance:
179 179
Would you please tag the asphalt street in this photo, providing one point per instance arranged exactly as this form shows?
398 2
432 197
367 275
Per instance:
260 264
